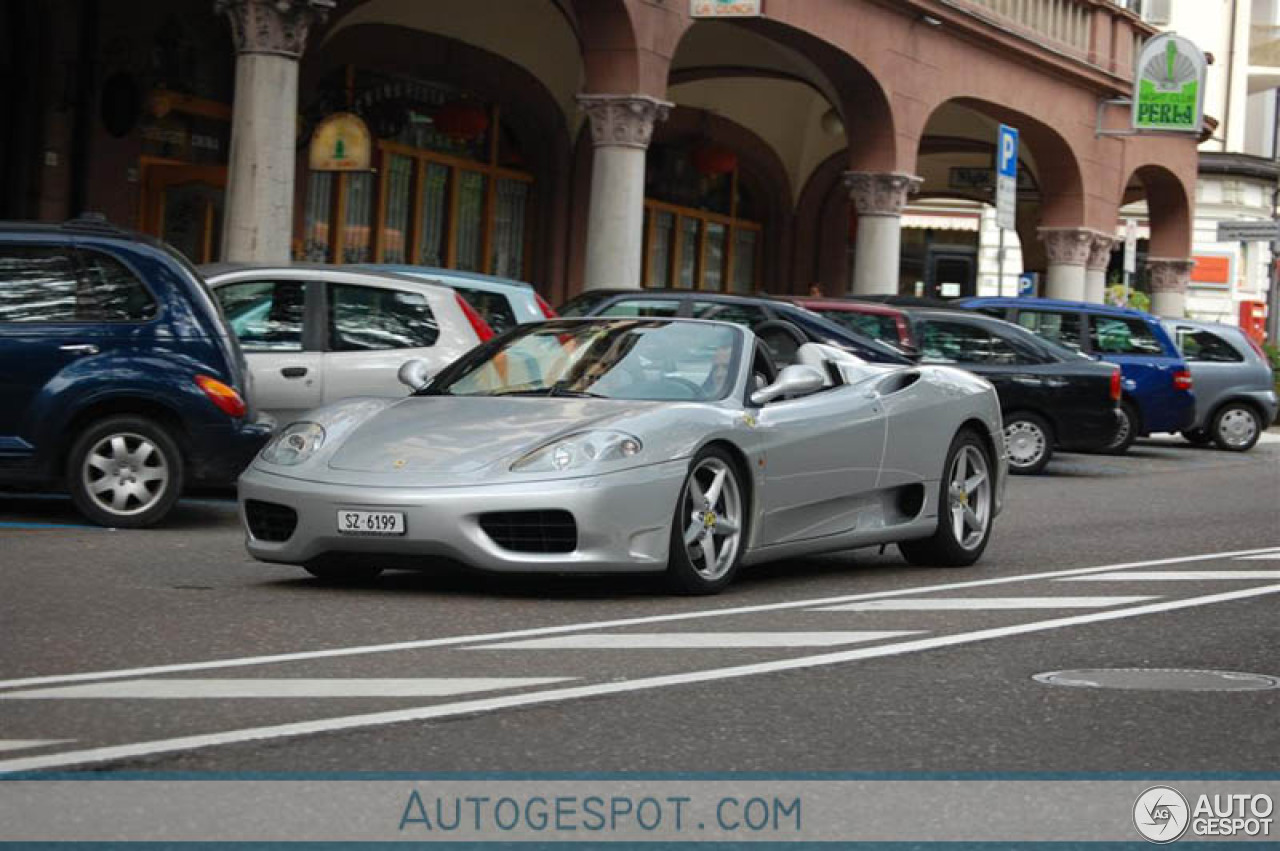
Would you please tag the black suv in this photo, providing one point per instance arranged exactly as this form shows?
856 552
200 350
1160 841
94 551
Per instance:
119 379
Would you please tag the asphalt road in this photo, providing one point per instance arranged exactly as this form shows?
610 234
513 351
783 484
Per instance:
170 650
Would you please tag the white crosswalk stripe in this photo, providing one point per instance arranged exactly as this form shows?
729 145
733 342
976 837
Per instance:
29 744
284 688
692 640
1176 576
959 604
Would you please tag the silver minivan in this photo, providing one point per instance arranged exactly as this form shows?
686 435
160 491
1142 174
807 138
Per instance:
1235 387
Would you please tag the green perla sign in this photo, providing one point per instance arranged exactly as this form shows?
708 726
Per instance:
1169 85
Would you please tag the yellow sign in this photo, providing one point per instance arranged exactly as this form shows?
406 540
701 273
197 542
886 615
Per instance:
341 143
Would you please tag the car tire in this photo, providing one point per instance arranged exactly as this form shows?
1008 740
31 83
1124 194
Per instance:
1197 437
1236 427
1028 442
964 522
1126 431
698 538
342 572
125 472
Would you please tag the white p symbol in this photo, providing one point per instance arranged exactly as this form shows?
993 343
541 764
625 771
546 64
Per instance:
1008 148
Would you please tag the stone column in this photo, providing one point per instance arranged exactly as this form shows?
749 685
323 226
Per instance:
878 198
1095 276
1068 250
1169 280
621 127
269 36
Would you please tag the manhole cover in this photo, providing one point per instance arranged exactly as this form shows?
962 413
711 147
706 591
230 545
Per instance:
1159 679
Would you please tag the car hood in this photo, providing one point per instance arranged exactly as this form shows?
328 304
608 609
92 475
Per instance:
443 435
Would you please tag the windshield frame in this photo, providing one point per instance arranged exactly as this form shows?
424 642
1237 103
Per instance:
484 352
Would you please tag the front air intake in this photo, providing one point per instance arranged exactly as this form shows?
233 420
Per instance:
547 531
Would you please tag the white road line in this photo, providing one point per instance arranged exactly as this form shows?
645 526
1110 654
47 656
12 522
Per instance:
533 632
1174 575
1261 557
28 744
977 604
692 640
158 689
558 695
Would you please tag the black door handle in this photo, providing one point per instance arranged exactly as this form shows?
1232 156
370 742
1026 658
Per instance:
293 371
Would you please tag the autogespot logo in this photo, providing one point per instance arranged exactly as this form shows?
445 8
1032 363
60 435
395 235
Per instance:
1161 814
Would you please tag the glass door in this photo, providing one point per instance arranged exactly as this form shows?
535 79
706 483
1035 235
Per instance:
183 205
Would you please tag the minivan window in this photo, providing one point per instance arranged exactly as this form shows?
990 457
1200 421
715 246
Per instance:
37 284
1061 328
1117 336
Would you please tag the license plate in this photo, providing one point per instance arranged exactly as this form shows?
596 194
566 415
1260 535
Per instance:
352 522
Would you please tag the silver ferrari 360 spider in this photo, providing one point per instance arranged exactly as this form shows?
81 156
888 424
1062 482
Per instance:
634 445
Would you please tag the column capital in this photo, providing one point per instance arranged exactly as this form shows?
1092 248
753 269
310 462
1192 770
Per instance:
1100 251
876 193
624 121
1169 274
1067 246
276 27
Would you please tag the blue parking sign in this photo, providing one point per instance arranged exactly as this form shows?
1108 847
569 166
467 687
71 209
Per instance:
1007 177
1027 284
1008 151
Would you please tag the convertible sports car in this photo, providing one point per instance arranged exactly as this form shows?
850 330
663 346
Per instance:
601 445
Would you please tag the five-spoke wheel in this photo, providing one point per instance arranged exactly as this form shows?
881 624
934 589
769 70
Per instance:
709 527
966 503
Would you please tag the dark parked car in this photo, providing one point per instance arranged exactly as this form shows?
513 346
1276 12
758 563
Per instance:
119 379
1156 381
1050 397
782 326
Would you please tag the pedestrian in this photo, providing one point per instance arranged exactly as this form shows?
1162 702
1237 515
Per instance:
815 290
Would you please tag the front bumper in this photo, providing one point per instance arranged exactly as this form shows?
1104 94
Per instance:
623 520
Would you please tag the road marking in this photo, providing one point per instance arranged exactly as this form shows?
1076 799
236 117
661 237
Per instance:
1260 557
533 632
27 744
1174 575
282 688
43 526
692 640
961 604
115 753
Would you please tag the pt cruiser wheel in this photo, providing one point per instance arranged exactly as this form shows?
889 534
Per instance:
1236 427
125 472
966 502
709 527
1029 443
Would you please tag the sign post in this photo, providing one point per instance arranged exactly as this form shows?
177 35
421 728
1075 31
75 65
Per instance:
1130 256
1006 192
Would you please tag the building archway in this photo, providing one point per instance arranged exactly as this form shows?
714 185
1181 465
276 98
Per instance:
1161 204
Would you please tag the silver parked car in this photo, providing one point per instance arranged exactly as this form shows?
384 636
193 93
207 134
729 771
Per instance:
1235 387
605 445
314 334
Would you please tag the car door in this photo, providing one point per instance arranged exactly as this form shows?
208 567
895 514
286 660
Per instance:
1216 367
1020 377
1148 369
370 332
40 336
822 460
271 317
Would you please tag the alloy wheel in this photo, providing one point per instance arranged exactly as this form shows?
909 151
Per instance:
712 503
969 488
1025 442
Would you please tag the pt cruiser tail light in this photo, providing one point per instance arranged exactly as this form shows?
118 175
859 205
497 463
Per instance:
1182 379
224 396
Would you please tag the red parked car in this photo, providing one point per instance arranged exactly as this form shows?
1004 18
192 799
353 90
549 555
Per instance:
878 321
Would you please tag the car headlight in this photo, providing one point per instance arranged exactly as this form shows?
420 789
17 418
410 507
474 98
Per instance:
579 450
294 444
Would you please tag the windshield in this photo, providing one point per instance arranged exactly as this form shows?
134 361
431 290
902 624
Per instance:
638 360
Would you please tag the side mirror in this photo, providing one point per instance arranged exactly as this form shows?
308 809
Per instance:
795 380
414 374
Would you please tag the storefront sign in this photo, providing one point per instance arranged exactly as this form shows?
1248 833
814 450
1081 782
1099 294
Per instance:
1169 85
1211 269
341 143
726 8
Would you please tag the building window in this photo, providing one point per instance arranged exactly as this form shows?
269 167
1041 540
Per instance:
444 193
